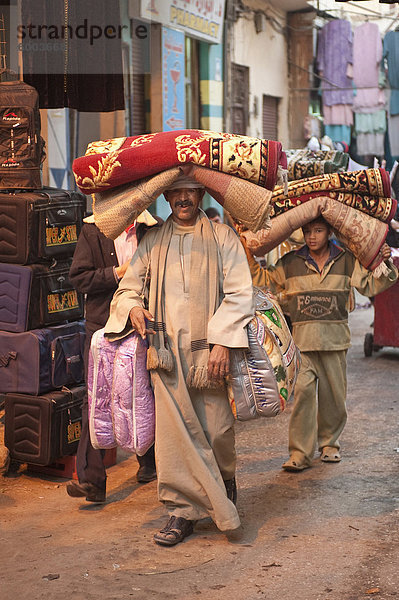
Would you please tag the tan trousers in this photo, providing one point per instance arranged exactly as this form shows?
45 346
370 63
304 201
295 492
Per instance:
194 448
319 412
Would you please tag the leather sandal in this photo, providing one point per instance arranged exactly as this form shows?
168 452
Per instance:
295 465
174 532
330 454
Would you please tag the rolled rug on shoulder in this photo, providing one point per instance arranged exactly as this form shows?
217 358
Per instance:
116 208
362 234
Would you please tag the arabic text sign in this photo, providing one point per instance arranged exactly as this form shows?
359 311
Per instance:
199 18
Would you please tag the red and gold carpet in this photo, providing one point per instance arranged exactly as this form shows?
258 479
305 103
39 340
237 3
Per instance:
111 163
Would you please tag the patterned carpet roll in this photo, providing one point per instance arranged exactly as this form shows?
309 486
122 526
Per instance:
370 182
308 163
361 233
356 204
117 208
380 208
112 163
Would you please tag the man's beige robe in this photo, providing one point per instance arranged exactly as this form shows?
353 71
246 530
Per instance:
194 445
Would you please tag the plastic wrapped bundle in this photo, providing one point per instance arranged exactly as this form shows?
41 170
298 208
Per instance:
262 378
121 400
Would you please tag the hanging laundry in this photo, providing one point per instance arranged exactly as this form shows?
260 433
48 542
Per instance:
369 100
393 134
338 114
391 54
370 129
375 122
367 55
370 144
339 133
334 57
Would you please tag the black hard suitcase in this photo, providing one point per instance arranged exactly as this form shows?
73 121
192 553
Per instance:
40 360
40 225
36 296
41 429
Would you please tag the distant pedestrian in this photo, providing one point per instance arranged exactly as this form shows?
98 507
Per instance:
213 215
97 267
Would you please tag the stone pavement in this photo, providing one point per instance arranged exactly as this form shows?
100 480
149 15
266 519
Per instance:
328 533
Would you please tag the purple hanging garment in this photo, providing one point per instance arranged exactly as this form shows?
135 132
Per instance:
334 54
367 55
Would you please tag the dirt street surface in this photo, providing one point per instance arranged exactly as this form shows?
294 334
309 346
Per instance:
330 532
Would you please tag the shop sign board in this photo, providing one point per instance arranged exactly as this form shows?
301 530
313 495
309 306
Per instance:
202 19
173 92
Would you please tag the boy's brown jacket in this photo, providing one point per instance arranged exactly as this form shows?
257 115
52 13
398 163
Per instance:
318 302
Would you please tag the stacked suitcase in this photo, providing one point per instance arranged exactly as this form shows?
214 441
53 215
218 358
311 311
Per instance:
41 326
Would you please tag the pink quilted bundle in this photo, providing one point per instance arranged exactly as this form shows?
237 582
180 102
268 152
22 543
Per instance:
121 400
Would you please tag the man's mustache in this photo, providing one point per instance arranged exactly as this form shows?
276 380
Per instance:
183 203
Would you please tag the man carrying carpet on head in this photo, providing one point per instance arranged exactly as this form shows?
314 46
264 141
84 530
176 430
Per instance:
200 300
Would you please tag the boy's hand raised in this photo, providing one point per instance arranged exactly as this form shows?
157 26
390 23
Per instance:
385 251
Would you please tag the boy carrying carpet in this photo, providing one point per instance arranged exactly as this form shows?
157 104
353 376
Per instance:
313 285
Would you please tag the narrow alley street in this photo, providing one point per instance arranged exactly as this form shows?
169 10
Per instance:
140 141
328 533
